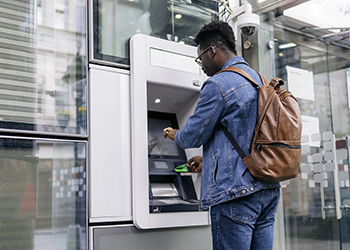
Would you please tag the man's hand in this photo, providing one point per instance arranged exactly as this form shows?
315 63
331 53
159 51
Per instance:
170 132
194 164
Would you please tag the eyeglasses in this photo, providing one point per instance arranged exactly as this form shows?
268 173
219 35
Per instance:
198 60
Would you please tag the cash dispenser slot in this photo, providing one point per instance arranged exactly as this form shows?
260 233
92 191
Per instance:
161 190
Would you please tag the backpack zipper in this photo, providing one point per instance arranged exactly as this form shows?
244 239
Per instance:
276 144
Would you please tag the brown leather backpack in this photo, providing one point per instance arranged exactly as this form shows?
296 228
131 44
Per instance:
275 150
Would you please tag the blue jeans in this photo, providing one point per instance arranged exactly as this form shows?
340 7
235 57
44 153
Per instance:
245 223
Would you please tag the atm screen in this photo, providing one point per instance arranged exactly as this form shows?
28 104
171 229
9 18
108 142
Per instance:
157 144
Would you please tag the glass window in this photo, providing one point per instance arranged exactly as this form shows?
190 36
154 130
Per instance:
314 204
311 54
115 22
42 66
42 194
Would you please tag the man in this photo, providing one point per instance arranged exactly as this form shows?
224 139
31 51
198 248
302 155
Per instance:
242 208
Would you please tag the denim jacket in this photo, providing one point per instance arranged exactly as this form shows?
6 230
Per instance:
230 99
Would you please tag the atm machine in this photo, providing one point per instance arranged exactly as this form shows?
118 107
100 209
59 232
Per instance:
165 87
171 187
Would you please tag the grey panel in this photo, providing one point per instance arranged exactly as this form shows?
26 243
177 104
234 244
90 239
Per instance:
306 168
327 136
328 146
305 149
342 154
329 156
129 237
317 157
318 168
316 137
305 139
330 166
318 178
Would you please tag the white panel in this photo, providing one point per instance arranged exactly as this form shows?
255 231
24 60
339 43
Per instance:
110 154
140 182
311 183
169 76
142 76
325 175
310 159
304 176
325 184
285 183
174 61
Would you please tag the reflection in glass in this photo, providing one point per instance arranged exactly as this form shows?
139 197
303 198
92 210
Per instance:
157 144
310 218
115 22
42 68
305 224
42 195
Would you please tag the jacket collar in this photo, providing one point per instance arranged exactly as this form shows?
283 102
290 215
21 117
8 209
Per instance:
233 61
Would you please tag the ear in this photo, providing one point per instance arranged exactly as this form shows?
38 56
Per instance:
212 51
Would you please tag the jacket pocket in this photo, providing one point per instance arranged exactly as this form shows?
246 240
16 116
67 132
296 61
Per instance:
213 182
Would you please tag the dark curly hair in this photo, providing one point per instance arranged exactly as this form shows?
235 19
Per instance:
216 33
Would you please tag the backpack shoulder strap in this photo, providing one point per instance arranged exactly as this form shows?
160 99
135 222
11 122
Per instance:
247 76
251 79
233 141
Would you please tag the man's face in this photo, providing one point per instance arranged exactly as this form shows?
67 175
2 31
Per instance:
205 59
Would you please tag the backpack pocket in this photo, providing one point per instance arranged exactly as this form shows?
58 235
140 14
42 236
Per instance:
265 161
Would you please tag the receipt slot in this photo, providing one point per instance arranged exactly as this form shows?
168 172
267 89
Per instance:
165 87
